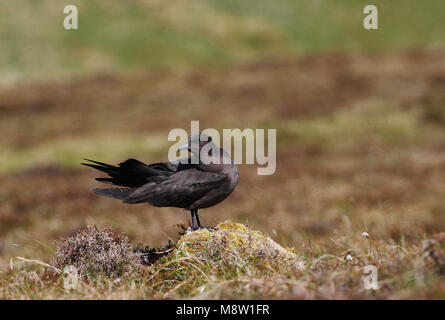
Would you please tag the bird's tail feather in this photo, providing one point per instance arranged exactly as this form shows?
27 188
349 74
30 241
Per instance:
130 173
116 193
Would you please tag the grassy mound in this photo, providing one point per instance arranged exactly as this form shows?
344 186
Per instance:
234 244
213 263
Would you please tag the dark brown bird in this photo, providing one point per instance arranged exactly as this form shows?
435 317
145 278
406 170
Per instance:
174 184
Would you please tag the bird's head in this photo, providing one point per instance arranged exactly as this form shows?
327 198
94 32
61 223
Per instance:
196 142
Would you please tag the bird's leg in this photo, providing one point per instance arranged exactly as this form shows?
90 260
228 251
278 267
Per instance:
199 226
197 219
193 212
199 223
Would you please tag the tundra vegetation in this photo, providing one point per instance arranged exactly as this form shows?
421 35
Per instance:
360 122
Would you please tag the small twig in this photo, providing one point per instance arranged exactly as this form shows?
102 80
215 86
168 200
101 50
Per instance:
40 263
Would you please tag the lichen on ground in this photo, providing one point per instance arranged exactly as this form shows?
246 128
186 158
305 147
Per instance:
227 257
236 244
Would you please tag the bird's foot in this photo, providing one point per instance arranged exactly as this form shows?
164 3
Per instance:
206 228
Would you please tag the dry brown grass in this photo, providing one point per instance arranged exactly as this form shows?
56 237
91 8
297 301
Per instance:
232 262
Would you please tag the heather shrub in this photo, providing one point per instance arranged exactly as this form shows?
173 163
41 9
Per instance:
93 251
434 252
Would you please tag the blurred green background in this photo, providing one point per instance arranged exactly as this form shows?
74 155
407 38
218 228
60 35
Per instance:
145 34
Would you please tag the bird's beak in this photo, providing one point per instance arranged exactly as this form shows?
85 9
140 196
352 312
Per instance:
183 147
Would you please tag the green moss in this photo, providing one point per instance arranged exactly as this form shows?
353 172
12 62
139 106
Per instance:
234 242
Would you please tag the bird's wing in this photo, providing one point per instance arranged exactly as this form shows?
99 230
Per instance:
179 190
169 168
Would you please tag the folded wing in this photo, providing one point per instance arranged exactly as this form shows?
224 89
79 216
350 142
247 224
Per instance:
181 189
